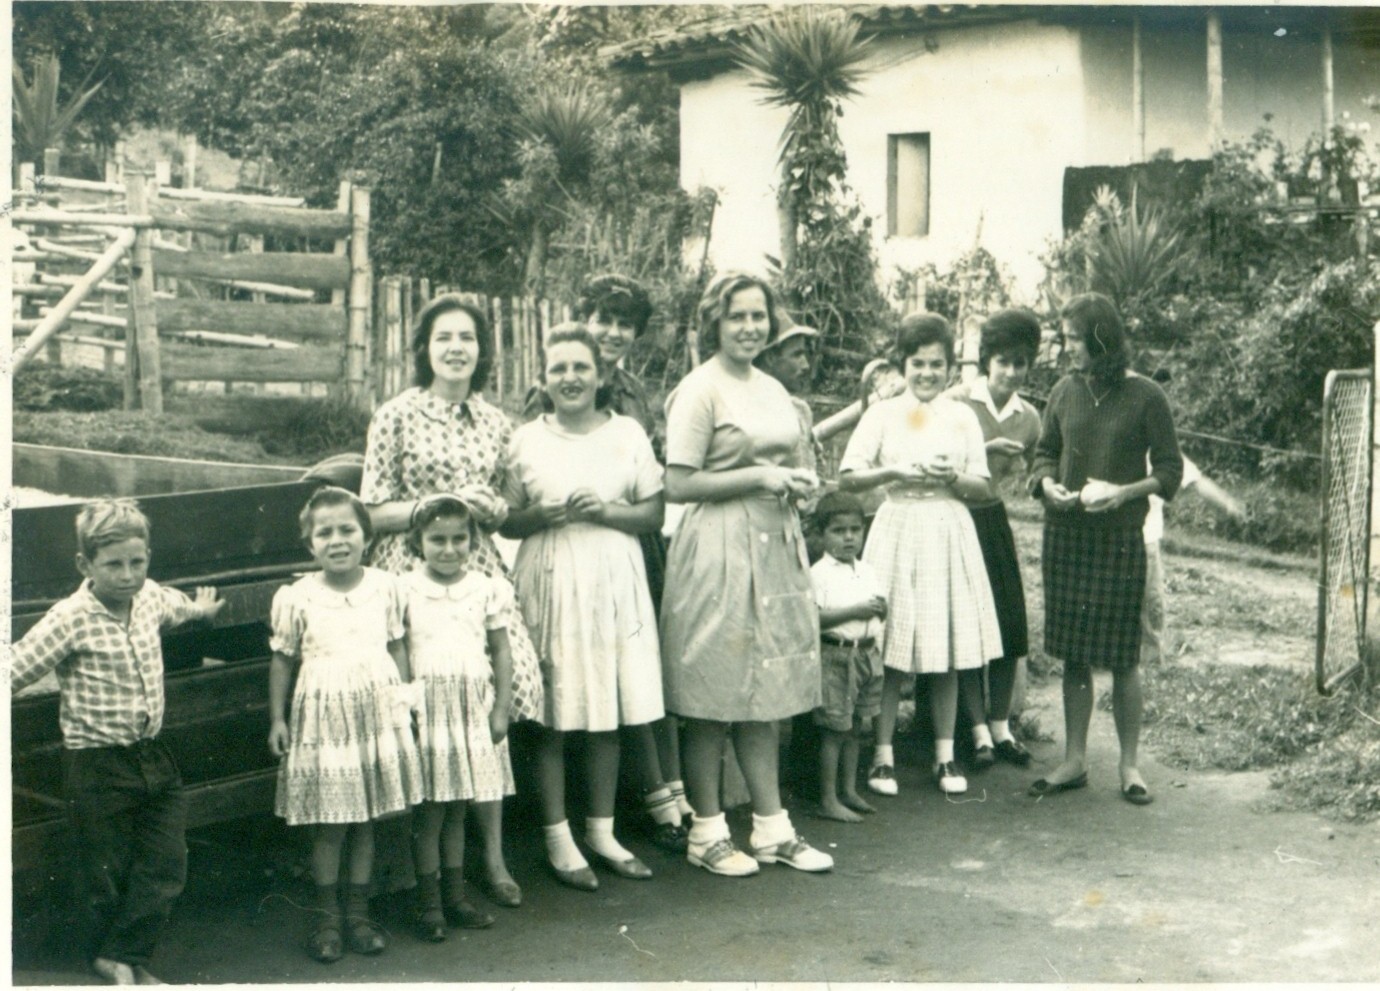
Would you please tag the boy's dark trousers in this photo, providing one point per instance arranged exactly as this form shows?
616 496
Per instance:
129 821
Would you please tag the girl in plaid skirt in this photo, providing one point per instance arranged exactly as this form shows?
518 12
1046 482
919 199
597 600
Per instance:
929 453
1100 424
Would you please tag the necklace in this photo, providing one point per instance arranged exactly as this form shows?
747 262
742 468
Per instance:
1097 400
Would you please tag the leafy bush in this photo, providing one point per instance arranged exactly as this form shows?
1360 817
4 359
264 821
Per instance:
1277 518
135 432
316 428
48 388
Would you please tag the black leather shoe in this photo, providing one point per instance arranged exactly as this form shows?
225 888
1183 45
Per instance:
1013 752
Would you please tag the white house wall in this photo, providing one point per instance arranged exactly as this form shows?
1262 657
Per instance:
1008 107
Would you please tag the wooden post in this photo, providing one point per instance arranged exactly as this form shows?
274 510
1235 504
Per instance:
1137 93
1329 108
405 337
162 173
393 333
500 357
144 381
52 161
1214 80
361 289
189 150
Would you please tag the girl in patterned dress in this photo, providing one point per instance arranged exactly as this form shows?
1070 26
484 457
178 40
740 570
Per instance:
348 757
442 436
928 452
457 644
582 484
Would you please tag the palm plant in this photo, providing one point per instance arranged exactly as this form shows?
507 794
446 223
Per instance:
1135 253
39 120
806 60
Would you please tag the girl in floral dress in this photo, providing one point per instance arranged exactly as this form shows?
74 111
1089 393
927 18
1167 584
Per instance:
442 436
348 757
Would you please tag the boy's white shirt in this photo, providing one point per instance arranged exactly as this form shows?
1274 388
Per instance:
838 585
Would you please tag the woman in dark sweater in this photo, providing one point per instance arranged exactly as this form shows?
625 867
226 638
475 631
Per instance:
1090 471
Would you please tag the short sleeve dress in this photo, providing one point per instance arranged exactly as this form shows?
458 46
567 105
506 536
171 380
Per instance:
351 757
447 646
582 586
739 626
420 445
923 545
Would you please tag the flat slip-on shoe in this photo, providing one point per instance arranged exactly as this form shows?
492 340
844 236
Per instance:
1137 795
632 868
582 878
1044 786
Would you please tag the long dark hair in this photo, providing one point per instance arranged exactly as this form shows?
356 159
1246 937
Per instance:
1093 317
423 374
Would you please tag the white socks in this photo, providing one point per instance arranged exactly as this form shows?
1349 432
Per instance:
678 793
882 755
982 736
1001 730
599 836
943 751
768 831
705 831
661 806
561 849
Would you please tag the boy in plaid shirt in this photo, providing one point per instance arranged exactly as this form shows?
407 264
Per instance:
122 787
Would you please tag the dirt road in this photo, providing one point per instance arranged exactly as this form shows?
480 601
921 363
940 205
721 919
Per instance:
1079 887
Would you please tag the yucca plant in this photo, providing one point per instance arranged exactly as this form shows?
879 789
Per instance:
808 61
568 120
40 122
1134 254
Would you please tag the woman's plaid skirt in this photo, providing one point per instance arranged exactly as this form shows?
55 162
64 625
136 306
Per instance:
1094 586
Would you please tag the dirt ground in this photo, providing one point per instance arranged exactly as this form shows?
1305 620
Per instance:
995 887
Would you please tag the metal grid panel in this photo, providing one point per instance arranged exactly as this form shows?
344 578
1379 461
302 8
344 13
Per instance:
1343 586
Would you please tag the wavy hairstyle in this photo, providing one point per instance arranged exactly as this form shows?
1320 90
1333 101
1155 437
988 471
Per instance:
1093 318
920 330
1014 333
615 297
333 495
423 374
713 307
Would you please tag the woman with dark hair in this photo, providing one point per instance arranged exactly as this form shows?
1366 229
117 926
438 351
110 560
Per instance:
441 436
927 450
739 626
1010 427
1099 426
582 485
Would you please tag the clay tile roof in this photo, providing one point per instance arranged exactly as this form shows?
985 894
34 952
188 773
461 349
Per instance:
712 35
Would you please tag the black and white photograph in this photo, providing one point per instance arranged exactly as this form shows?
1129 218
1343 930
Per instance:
901 479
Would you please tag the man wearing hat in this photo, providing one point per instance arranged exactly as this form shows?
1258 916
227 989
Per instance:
787 359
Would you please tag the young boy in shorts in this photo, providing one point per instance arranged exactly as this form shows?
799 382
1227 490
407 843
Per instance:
123 790
851 610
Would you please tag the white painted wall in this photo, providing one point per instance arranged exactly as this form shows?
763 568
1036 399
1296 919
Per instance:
1007 107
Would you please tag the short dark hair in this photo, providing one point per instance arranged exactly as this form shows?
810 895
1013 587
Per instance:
1014 332
920 330
423 374
615 297
576 333
713 307
332 495
837 503
439 507
1093 317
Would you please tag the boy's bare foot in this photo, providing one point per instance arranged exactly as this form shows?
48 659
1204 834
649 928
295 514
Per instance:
857 803
837 811
113 971
142 976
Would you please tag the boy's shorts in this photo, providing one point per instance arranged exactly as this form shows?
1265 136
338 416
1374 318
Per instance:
851 679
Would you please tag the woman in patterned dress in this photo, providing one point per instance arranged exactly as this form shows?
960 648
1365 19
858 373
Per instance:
442 436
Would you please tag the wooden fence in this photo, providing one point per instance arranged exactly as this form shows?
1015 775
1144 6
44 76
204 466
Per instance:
518 323
176 284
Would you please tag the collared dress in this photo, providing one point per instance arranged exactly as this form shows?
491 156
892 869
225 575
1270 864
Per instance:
1016 420
923 545
739 626
351 756
447 634
583 586
421 445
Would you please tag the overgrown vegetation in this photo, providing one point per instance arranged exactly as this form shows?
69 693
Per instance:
135 432
43 388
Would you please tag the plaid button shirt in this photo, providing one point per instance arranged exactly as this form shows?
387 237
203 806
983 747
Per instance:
111 675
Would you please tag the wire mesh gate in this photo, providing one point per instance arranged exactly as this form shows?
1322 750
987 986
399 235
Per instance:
1345 558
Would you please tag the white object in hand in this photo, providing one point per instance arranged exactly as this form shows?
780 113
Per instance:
1095 490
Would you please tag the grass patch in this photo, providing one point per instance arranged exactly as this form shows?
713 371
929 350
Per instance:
1324 751
41 387
136 432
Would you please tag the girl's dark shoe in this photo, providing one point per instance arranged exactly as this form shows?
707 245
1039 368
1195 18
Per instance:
362 934
463 915
983 758
431 919
1013 752
670 836
325 944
